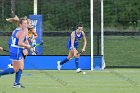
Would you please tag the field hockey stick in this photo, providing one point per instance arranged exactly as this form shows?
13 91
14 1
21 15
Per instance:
5 50
77 54
24 56
32 47
35 45
83 72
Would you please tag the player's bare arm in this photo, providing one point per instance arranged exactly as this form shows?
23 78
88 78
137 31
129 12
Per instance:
72 39
85 42
72 43
20 36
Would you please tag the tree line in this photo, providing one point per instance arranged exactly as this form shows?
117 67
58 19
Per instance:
61 15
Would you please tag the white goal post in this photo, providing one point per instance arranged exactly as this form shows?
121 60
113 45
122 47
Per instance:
102 33
102 36
91 18
35 7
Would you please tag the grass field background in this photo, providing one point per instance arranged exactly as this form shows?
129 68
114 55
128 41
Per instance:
119 50
68 81
122 50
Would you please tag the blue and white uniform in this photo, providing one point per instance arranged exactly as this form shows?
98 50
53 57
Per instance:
15 49
77 37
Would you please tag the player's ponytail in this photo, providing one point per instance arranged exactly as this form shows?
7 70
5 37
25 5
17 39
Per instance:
13 20
16 20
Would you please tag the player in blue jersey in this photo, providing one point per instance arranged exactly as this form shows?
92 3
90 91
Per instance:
17 42
32 35
72 46
30 30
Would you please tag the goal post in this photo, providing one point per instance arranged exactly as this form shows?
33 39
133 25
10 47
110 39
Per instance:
98 36
35 7
96 25
102 33
36 20
91 17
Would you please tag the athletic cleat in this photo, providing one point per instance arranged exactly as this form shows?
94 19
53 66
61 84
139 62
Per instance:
10 66
78 70
58 65
18 86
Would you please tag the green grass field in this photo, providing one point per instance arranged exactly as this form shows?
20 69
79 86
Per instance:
68 81
119 50
122 50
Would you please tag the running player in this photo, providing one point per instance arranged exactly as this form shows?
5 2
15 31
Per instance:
32 35
72 46
18 42
15 20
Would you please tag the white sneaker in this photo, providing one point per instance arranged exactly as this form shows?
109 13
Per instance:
10 66
18 86
78 70
58 65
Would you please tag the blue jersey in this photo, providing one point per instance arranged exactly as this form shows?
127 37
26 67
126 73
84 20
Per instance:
15 49
77 37
10 40
15 31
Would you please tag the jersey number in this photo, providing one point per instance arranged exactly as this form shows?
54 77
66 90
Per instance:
13 40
